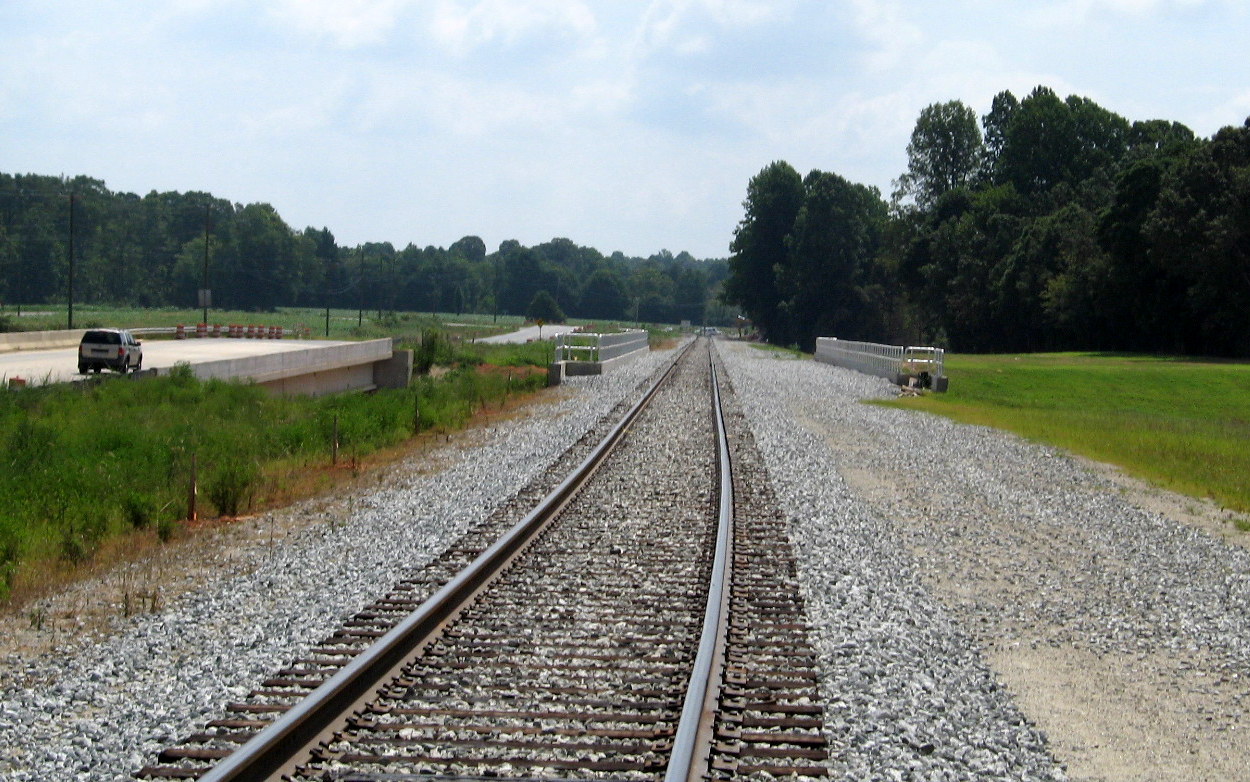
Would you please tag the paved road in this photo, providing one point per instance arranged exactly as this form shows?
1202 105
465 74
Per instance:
530 333
61 364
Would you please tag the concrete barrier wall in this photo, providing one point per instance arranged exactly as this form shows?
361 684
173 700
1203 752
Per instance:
613 350
40 340
290 364
322 383
394 372
900 364
617 345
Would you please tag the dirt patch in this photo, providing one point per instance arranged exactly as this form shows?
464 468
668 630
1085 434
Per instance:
1114 718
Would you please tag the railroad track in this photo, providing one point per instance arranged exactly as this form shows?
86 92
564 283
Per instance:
590 640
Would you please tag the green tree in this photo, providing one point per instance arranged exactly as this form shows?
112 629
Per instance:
944 153
1049 142
1002 109
1143 295
470 248
544 307
1200 226
834 239
523 276
602 296
949 266
690 294
759 249
1040 143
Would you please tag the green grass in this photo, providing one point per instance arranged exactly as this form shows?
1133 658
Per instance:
1181 424
82 465
778 351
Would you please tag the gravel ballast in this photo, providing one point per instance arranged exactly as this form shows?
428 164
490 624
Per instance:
987 607
99 708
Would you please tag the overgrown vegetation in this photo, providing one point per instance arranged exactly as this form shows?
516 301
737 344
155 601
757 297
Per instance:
1180 424
84 463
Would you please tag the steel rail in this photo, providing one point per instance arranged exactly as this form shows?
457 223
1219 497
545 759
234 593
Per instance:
270 750
692 741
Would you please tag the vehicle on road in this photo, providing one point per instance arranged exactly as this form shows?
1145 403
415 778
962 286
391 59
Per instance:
115 349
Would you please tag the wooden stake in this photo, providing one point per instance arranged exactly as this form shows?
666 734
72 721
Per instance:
191 494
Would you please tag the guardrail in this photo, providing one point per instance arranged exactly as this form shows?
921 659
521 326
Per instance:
899 364
575 346
232 331
48 340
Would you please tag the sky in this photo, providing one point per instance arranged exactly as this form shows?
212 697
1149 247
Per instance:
628 125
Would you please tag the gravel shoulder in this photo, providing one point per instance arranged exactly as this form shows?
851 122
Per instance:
89 693
1112 618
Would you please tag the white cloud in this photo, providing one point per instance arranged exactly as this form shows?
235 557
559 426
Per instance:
348 23
886 28
1076 12
1233 110
687 25
462 27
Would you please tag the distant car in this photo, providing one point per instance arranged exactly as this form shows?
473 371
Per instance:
115 349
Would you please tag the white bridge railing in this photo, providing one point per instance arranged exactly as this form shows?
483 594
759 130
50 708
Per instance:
576 346
895 363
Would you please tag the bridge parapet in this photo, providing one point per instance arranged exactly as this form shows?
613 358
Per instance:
579 353
900 364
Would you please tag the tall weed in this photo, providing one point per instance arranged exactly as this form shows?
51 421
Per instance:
82 463
230 486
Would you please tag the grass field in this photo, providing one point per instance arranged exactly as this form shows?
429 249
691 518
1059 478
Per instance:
1180 424
343 324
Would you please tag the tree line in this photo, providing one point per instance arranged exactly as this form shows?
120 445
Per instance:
158 250
1046 224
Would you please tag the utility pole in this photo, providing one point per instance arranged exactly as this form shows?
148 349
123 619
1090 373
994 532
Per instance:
70 324
495 318
205 295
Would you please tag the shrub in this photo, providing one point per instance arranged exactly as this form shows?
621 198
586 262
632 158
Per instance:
139 509
80 535
165 529
10 550
231 484
435 348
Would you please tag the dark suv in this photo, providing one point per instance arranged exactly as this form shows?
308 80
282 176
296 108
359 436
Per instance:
109 348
